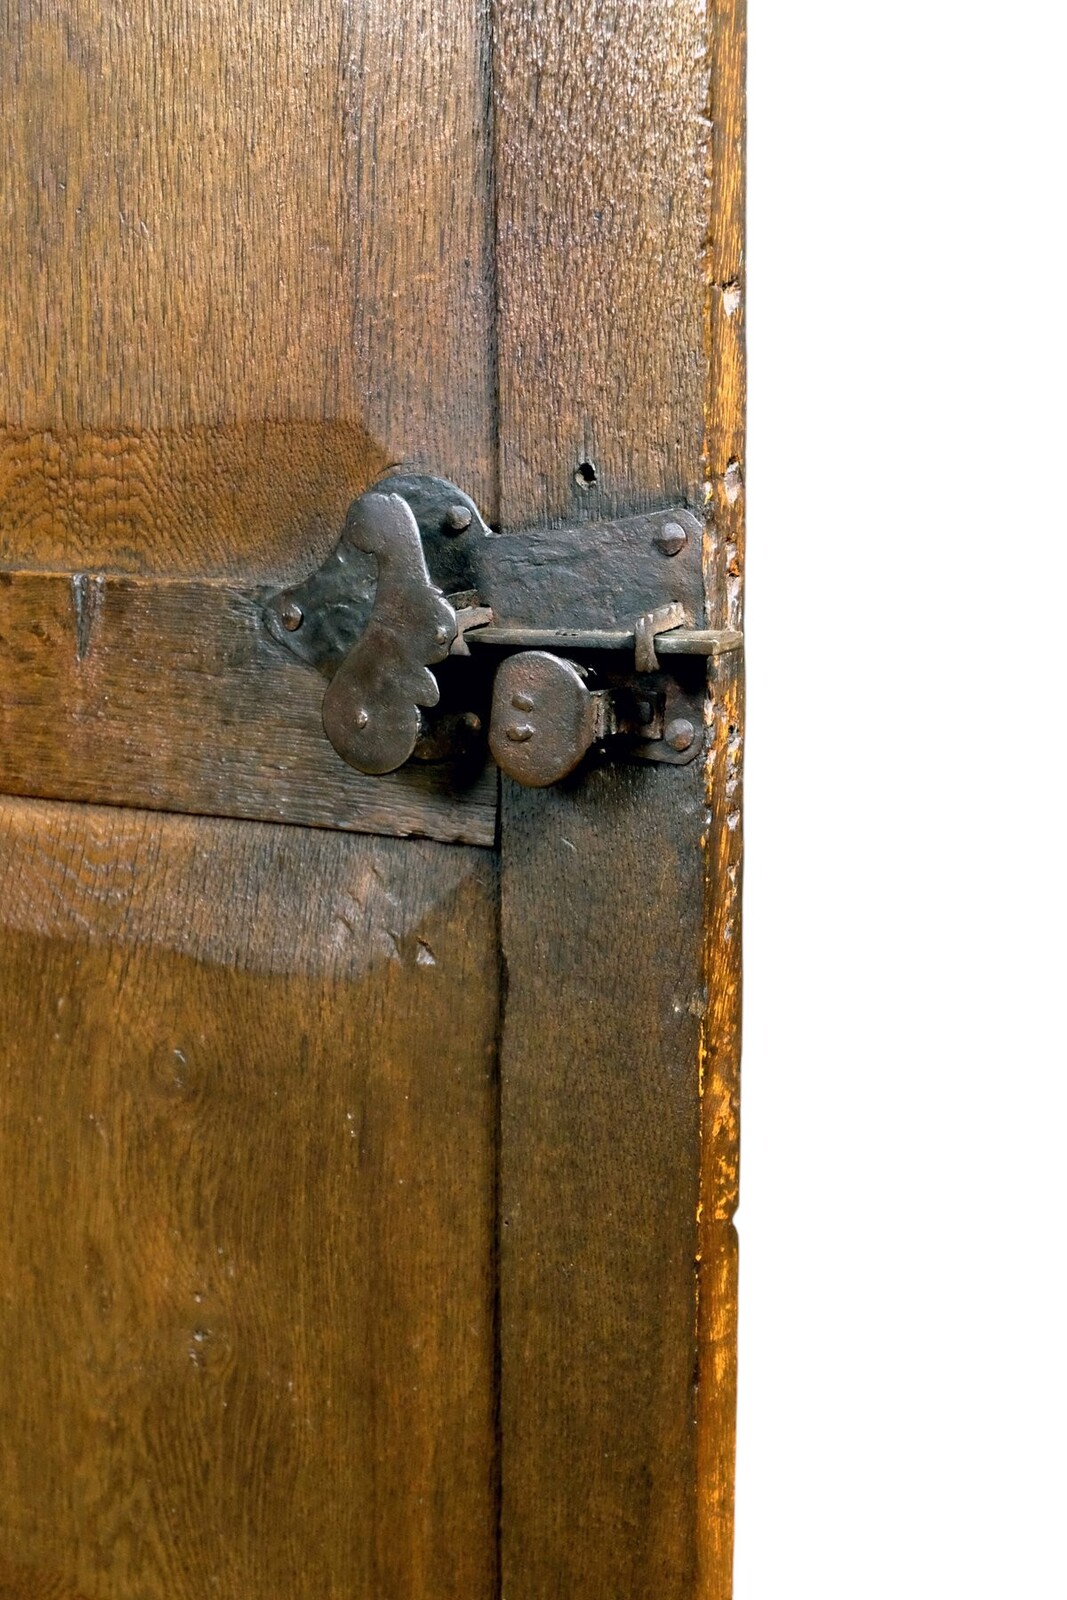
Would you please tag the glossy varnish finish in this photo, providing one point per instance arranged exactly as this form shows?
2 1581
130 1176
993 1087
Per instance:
247 1190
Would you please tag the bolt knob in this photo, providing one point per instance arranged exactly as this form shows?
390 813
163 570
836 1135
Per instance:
543 720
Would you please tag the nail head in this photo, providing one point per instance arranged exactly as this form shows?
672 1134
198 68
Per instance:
680 734
671 538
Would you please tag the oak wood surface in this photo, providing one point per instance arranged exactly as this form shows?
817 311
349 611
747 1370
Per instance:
724 561
600 141
170 694
245 268
619 196
247 1189
251 257
246 1097
602 936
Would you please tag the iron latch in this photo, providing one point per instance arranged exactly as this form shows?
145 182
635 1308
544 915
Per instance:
573 624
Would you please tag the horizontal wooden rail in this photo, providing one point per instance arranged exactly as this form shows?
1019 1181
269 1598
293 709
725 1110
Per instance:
172 696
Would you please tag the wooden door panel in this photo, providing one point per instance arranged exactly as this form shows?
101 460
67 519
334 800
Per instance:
600 1156
246 1287
602 145
246 269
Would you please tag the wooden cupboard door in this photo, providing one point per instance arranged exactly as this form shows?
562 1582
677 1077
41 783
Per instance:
367 1144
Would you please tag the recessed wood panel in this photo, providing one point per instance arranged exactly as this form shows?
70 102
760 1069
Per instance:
246 1280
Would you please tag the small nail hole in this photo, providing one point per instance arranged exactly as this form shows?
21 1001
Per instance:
585 474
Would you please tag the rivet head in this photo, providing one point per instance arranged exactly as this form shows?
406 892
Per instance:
472 722
679 734
519 732
671 538
457 518
292 616
522 702
362 717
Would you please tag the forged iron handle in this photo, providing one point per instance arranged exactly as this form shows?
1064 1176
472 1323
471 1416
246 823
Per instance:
371 708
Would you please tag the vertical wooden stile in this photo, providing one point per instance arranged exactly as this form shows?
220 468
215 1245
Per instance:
618 198
721 1041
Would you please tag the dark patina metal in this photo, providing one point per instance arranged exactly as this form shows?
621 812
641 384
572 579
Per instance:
418 576
544 717
371 708
337 600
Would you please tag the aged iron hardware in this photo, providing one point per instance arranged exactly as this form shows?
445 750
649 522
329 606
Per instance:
544 717
371 709
418 578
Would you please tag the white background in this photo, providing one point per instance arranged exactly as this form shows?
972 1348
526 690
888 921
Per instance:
903 1425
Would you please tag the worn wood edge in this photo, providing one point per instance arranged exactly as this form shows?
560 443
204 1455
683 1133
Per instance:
168 695
719 1087
720 1046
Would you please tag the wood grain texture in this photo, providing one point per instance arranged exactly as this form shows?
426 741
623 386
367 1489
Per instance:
247 1190
720 1084
600 144
246 266
602 934
618 136
724 330
171 695
724 569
